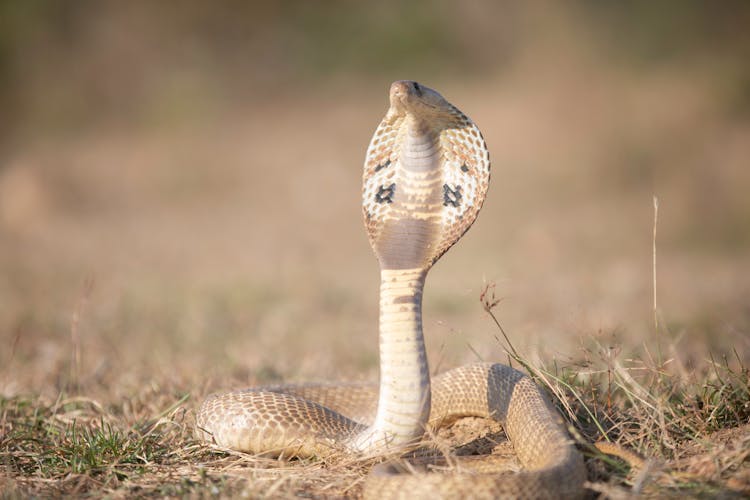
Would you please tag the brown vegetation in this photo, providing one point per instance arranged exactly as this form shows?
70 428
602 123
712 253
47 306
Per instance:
179 214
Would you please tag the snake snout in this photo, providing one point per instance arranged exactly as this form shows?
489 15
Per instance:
410 97
403 92
399 91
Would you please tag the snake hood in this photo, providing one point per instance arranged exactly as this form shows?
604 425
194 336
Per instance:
426 174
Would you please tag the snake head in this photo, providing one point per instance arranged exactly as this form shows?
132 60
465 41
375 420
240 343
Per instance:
409 97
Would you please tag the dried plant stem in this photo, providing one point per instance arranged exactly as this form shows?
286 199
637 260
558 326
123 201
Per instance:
653 270
75 340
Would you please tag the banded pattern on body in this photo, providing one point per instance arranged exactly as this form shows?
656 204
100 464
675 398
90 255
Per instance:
426 175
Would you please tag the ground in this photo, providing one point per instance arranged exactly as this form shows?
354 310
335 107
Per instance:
144 267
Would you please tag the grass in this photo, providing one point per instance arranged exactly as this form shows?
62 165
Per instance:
74 446
670 416
670 420
691 426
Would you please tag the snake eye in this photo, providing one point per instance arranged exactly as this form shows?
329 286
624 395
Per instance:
417 89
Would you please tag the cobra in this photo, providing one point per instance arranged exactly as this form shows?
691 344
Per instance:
426 174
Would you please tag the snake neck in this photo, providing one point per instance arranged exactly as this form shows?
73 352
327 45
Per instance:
405 208
404 396
420 151
405 249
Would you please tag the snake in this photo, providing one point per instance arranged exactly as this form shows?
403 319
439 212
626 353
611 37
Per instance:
426 175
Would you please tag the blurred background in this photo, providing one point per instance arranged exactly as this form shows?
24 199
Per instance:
180 183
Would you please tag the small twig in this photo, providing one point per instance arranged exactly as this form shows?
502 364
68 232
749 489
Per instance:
75 362
488 300
476 353
487 297
653 270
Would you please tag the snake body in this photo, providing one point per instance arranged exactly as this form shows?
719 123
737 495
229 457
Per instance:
426 174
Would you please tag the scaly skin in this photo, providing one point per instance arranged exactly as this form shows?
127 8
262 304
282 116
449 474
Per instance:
425 178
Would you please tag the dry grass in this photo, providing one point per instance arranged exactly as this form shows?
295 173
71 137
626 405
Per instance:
692 428
148 263
690 424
